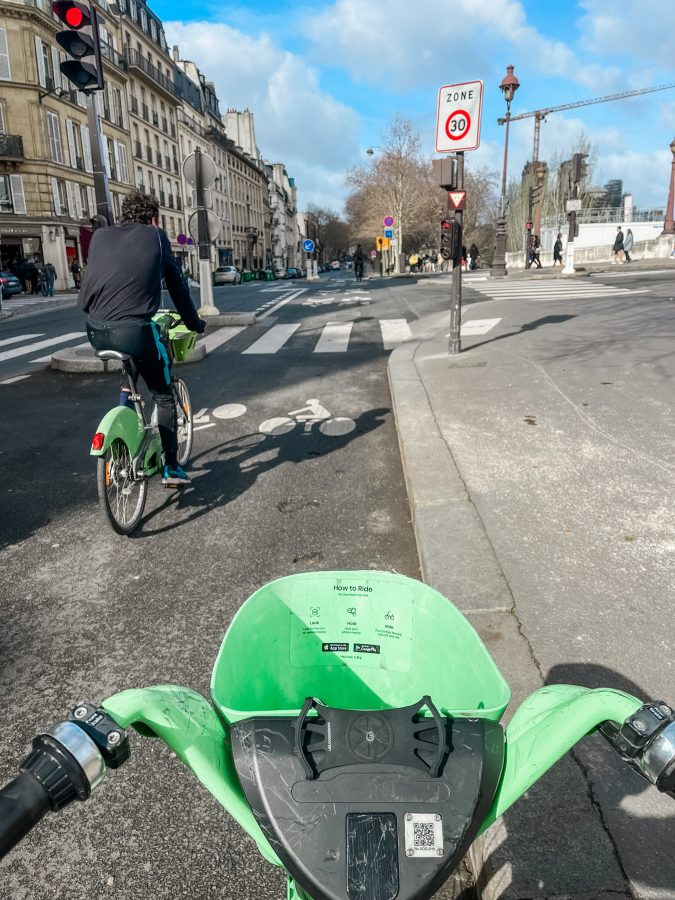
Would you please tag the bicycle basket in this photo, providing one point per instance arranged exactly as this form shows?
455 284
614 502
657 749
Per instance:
182 343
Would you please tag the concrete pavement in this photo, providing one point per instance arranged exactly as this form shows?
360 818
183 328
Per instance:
540 477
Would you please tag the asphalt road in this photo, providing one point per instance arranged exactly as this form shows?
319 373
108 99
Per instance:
86 613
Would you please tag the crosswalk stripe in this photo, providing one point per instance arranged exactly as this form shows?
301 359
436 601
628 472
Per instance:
334 338
274 339
18 338
394 332
220 337
48 359
14 379
282 302
40 345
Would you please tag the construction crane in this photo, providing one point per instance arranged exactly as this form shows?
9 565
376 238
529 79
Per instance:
540 114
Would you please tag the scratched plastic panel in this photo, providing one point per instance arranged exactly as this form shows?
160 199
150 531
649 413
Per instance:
372 856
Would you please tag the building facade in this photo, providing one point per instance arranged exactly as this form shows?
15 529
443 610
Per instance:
46 172
284 226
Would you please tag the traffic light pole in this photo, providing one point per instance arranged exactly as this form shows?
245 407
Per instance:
569 250
455 341
101 189
206 307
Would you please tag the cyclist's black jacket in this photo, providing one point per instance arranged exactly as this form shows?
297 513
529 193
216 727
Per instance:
125 268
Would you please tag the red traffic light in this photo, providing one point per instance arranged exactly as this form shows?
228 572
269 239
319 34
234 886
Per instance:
72 13
445 225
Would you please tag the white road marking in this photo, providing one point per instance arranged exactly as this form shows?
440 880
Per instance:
202 427
18 338
334 338
283 302
478 326
394 332
40 345
630 274
48 359
273 340
220 337
229 411
15 378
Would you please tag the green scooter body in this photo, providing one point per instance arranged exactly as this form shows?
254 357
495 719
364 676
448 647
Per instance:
358 640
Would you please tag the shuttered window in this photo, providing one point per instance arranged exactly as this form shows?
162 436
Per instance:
54 131
18 196
5 70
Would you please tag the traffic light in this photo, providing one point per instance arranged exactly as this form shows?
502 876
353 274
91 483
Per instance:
535 194
451 239
579 167
80 40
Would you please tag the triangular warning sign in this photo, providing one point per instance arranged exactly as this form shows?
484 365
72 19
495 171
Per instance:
457 199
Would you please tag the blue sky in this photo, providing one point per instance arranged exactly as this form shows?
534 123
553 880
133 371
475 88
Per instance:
324 79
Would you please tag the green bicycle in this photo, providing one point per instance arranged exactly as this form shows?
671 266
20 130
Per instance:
128 446
376 790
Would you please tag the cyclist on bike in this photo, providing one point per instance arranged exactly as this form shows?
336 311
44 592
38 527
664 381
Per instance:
359 260
122 292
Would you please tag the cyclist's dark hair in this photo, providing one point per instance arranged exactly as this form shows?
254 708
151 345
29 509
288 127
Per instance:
139 207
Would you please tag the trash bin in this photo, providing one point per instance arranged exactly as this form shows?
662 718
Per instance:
247 276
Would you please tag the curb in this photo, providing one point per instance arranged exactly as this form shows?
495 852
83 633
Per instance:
230 319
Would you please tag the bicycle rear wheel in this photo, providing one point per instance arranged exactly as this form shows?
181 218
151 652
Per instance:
184 424
122 496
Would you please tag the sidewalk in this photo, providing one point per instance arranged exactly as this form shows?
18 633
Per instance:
517 525
29 304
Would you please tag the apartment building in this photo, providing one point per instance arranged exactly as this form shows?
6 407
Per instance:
284 226
46 173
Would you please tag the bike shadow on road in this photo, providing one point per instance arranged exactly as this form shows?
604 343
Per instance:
231 468
637 820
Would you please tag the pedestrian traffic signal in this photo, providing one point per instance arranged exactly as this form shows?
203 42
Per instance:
80 40
579 167
451 239
535 194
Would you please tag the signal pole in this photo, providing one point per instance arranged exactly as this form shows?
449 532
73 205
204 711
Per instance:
101 188
455 340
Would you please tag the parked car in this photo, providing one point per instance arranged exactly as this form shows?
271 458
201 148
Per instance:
226 275
302 271
10 284
335 264
279 272
292 272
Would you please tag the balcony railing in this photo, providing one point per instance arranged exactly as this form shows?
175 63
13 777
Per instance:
79 163
148 153
155 118
179 203
111 55
175 165
138 150
146 112
162 198
173 130
167 163
165 126
170 201
158 156
137 60
11 146
134 105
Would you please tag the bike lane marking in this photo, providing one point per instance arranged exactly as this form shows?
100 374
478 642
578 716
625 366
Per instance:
50 342
14 379
274 339
334 338
282 302
18 338
212 341
394 332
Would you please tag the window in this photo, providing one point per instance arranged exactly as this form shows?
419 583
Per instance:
3 130
75 145
59 196
54 131
122 166
84 200
132 9
112 168
151 183
153 29
116 110
48 64
5 70
144 19
139 179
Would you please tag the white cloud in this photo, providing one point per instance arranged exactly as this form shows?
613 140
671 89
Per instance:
296 122
632 29
404 47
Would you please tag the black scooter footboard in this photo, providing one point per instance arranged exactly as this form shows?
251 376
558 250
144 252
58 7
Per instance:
369 805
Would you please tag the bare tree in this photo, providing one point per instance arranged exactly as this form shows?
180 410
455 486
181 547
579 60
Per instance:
331 230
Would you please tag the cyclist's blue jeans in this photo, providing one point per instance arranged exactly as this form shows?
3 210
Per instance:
141 340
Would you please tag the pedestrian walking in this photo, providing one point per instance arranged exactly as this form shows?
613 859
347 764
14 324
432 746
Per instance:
474 254
33 276
628 244
617 248
76 272
534 254
49 276
557 251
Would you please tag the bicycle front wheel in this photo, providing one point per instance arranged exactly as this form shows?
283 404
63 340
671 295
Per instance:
184 423
122 496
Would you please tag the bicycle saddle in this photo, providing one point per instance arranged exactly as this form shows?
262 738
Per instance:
369 804
113 354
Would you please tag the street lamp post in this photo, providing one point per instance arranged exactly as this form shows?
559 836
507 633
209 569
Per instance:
669 224
508 87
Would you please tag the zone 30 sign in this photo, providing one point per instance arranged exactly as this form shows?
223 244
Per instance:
458 122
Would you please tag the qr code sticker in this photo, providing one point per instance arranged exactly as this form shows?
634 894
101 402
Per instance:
423 836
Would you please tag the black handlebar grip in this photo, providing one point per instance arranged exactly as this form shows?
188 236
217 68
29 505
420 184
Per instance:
23 802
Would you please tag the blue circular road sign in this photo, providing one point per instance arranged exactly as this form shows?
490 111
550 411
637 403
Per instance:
308 246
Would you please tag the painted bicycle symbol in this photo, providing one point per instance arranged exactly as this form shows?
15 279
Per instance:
314 413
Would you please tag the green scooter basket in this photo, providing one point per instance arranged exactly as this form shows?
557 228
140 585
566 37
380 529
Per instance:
356 640
182 343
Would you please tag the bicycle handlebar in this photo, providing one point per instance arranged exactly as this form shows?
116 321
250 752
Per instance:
67 762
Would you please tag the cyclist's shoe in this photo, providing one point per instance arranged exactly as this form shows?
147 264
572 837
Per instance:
175 476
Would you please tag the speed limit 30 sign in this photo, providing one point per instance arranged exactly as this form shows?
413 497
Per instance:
459 112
